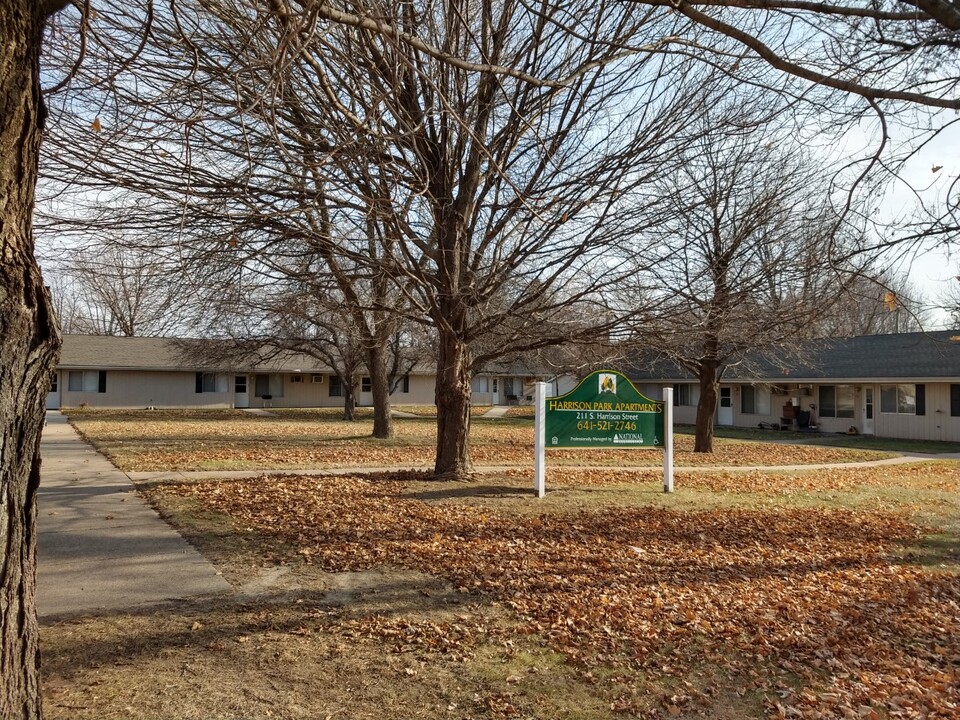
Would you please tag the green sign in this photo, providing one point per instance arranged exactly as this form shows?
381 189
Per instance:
604 410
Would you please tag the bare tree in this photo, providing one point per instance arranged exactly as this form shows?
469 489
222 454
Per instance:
740 260
873 304
116 289
486 198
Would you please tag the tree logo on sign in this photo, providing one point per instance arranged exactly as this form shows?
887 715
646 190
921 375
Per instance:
608 384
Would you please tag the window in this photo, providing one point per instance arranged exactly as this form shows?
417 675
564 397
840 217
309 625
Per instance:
685 394
405 384
211 383
336 386
480 384
89 381
754 400
268 386
955 400
296 379
316 379
365 385
905 399
836 401
53 382
240 384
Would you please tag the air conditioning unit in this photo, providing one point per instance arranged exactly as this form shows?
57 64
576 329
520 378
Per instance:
316 379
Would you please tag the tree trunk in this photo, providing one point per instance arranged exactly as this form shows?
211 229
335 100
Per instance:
380 386
29 341
707 405
349 400
453 397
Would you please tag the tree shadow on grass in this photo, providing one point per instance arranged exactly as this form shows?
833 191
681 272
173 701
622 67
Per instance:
472 490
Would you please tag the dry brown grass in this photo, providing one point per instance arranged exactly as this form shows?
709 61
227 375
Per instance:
228 440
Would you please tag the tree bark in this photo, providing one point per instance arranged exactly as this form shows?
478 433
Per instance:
707 406
29 342
349 400
453 398
380 387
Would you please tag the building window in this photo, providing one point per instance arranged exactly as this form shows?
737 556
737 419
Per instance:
836 401
405 384
88 381
296 379
685 394
480 384
268 386
365 385
53 382
903 399
240 384
336 386
754 400
316 379
211 383
955 400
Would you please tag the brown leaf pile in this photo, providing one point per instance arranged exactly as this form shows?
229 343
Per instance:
811 608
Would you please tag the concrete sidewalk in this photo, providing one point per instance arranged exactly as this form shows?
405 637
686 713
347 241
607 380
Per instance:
101 547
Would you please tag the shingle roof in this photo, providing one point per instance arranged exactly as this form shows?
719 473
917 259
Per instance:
148 353
105 352
907 356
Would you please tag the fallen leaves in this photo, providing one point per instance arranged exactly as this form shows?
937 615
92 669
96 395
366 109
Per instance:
184 441
814 598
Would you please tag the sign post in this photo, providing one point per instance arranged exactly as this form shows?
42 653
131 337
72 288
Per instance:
605 410
668 439
540 460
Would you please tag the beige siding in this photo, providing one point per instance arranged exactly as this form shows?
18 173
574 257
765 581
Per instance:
936 424
422 391
141 389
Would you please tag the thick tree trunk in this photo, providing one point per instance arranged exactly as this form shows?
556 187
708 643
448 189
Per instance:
453 397
349 400
28 346
707 406
380 386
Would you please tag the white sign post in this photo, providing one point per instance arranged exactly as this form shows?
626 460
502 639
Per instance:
539 440
668 439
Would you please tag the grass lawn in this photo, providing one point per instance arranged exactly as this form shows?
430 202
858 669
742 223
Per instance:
304 439
807 594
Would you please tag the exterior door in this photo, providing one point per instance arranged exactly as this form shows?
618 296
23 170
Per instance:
495 391
365 399
725 408
868 410
53 397
241 392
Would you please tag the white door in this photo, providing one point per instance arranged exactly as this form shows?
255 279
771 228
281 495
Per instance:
868 410
365 399
241 392
725 408
495 392
53 397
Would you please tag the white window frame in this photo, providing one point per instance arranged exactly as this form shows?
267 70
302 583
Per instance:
903 394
